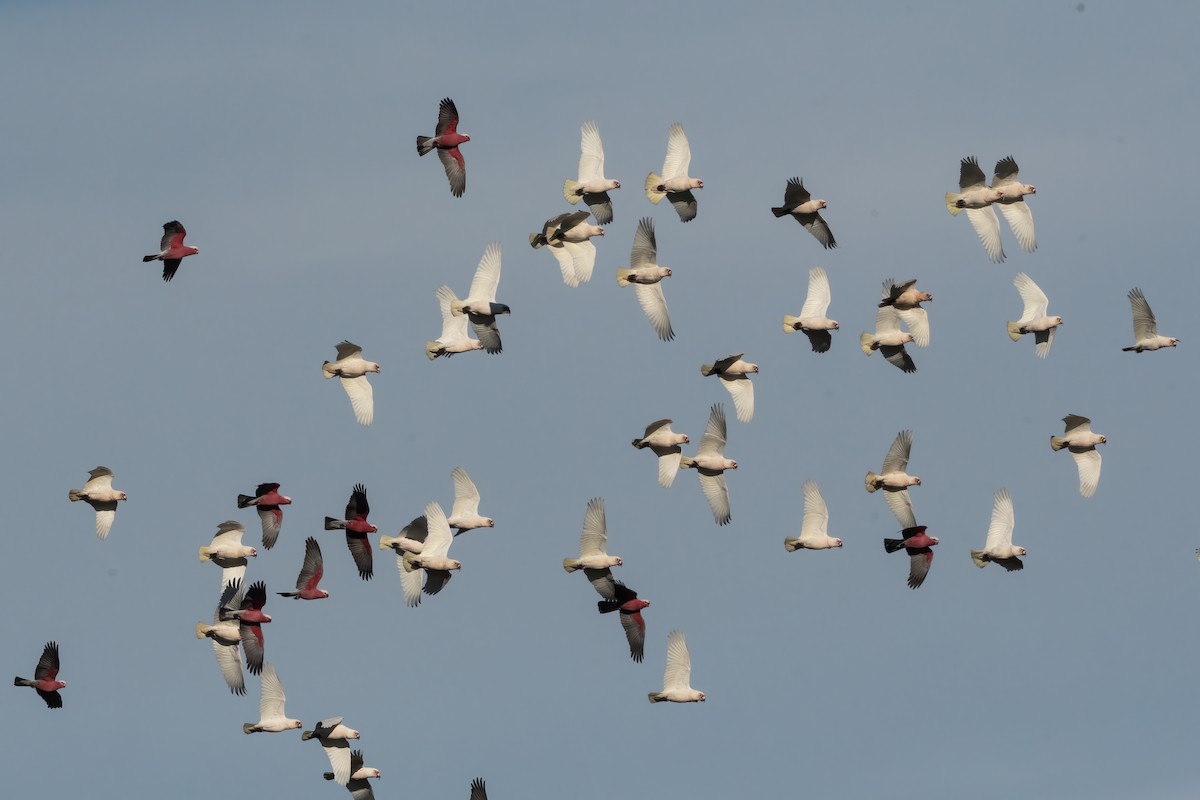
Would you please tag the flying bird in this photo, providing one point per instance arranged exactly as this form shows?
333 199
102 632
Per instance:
454 338
814 530
1145 327
172 250
710 463
1080 440
917 544
433 561
352 368
250 619
626 601
677 678
799 203
646 276
812 320
410 540
446 141
356 527
1012 204
227 551
464 514
664 443
226 635
100 495
45 677
674 183
998 548
977 197
568 237
1034 318
333 736
271 716
889 340
266 501
480 306
311 572
592 186
358 786
735 377
478 790
593 557
906 299
894 479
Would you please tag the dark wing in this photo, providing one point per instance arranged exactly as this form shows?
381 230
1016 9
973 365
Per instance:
487 332
173 233
358 508
272 521
456 169
478 790
795 194
602 581
919 559
1006 168
265 488
256 596
816 225
601 205
898 356
969 173
53 699
436 580
447 117
360 549
170 267
47 666
684 203
820 340
635 633
252 644
313 567
1011 564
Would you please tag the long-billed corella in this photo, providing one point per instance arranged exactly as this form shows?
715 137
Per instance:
45 677
592 186
267 501
593 557
99 494
665 444
1012 203
1081 441
675 184
812 320
1145 326
646 275
710 464
227 551
433 562
976 197
814 529
352 368
677 677
271 716
917 543
894 479
480 305
464 514
333 736
1034 318
454 338
311 571
798 202
358 785
446 140
906 299
999 547
889 340
171 249
568 238
225 632
735 373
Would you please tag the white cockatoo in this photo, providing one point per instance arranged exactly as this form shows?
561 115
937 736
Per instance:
677 677
999 547
814 530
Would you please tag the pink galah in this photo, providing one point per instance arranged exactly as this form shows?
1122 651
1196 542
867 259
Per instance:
172 250
446 142
45 677
267 501
226 635
626 600
310 574
917 543
356 526
251 619
478 789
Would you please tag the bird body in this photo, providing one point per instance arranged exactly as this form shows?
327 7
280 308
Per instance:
433 562
464 515
225 632
619 597
454 338
592 542
677 676
665 444
311 572
356 527
446 140
480 305
917 543
1081 441
889 340
227 551
1145 326
894 479
592 186
977 197
674 183
99 494
646 275
799 203
171 249
734 373
267 501
814 533
333 737
906 299
45 677
1012 202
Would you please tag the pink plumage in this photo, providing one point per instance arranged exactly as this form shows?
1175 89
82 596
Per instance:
446 142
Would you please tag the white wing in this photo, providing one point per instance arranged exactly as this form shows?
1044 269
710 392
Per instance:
1001 528
466 496
1144 324
270 703
896 459
679 154
900 502
231 574
487 275
338 751
717 494
1088 462
817 301
362 399
566 263
918 325
678 674
645 247
437 542
583 256
668 466
594 538
454 327
1032 295
816 515
1020 220
987 228
591 159
410 582
230 662
229 534
713 440
654 304
1042 342
104 517
742 391
887 319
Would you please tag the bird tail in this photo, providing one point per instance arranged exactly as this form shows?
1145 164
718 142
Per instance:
537 240
864 341
569 564
706 369
456 305
288 594
779 212
244 500
206 554
75 494
1127 349
423 145
247 727
22 682
686 462
304 737
892 545
1057 443
607 606
201 630
385 542
432 350
327 775
952 204
640 444
979 559
332 524
656 697
1014 331
327 369
623 274
652 191
150 258
790 323
410 564
870 482
792 544
572 191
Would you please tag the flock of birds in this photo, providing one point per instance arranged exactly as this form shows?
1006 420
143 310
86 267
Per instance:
422 547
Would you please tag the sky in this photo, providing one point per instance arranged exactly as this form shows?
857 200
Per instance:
282 136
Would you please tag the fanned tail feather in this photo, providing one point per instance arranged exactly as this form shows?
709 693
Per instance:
652 191
572 191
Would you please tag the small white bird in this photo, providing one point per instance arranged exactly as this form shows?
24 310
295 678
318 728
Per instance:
464 514
977 197
592 186
100 495
894 479
907 299
454 338
735 376
664 442
1082 444
999 548
593 557
227 551
568 238
1012 204
352 368
433 561
646 276
674 183
1145 327
333 736
677 678
358 786
271 716
226 635
480 306
411 540
812 320
889 339
710 463
799 203
1034 318
814 530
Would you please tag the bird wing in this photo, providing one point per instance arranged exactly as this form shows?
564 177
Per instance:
230 664
918 566
1006 171
601 205
173 235
820 340
487 331
566 263
272 521
466 496
1019 217
346 349
454 327
795 194
456 169
362 398
678 674
1042 342
338 751
684 204
410 582
603 582
1076 424
47 666
668 464
645 248
896 459
713 440
313 567
969 174
106 513
487 275
272 698
892 290
583 255
717 493
229 534
594 538
591 157
817 301
635 634
816 225
654 304
1144 324
1088 462
1001 528
658 425
679 154
900 502
478 790
437 541
887 319
816 514
360 550
1032 296
987 228
252 646
917 321
447 123
741 389
436 580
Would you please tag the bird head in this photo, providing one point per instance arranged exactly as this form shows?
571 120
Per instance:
455 565
1058 320
1103 440
616 184
324 594
60 684
926 297
597 230
1172 342
372 529
618 562
374 773
702 697
686 440
836 327
285 501
837 542
121 495
730 464
916 481
667 272
906 338
297 724
752 368
1030 189
491 523
821 204
933 540
373 368
698 184
251 552
352 735
1020 551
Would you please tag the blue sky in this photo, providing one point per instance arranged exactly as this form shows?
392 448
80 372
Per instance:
282 136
